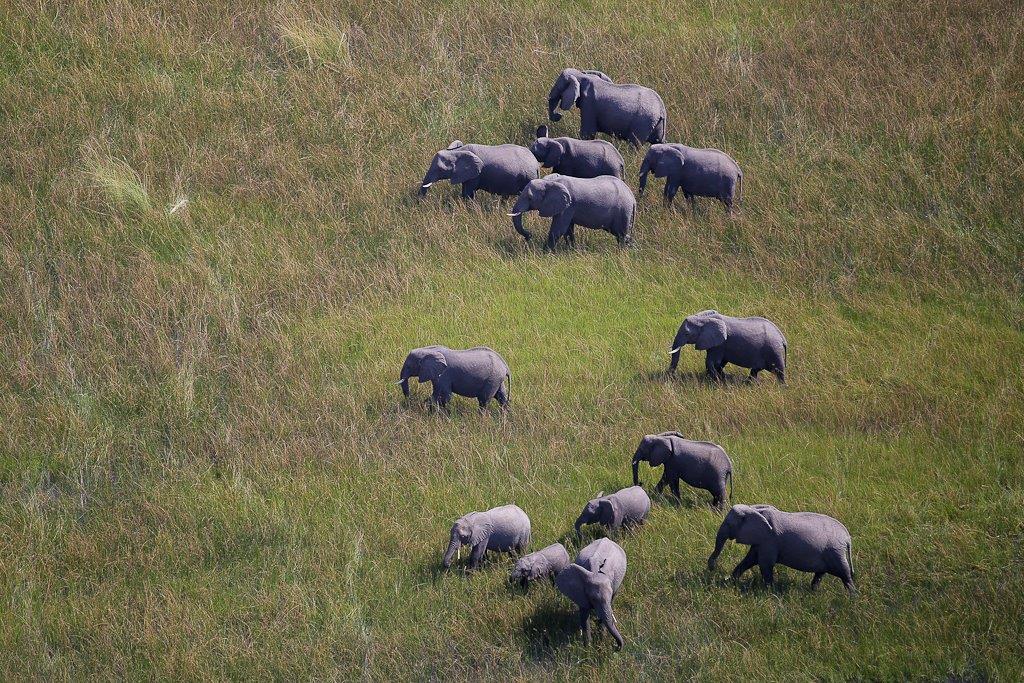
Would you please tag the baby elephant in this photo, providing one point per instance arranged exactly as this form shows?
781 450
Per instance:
593 582
498 169
627 507
501 529
700 464
805 541
602 203
478 373
577 158
546 562
755 343
698 172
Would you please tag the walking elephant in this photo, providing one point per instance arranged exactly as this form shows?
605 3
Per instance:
754 343
629 112
577 158
499 169
592 582
502 529
479 372
546 562
700 464
697 172
626 507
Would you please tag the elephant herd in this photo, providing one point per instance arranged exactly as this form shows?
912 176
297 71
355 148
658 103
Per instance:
587 189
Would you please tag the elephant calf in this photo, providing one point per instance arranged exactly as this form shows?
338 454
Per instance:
501 529
700 464
754 343
577 158
479 372
626 507
593 581
546 562
602 203
697 172
499 169
806 541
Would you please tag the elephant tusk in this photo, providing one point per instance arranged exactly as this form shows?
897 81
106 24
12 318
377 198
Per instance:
426 185
459 554
518 213
675 350
399 382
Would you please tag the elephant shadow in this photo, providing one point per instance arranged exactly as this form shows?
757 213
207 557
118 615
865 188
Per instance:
687 501
693 378
549 628
748 584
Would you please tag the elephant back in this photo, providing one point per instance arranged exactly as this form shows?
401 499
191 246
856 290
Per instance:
608 551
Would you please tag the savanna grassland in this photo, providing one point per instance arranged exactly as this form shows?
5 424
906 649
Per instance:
213 265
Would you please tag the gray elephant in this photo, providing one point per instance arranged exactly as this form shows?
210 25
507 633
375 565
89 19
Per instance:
577 158
700 464
479 372
697 172
593 581
753 343
499 169
806 541
602 203
502 529
546 562
626 507
630 112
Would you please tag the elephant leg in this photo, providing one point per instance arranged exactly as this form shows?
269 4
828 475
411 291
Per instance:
570 235
560 224
714 365
585 625
748 561
670 192
780 374
661 483
816 580
483 401
477 556
753 375
501 396
766 561
469 188
674 483
718 495
692 202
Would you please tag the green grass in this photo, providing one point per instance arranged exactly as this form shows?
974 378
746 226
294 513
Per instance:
207 472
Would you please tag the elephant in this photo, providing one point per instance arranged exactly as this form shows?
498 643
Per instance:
499 169
753 343
479 373
546 562
577 158
604 203
806 541
501 529
698 172
628 112
626 507
700 464
593 581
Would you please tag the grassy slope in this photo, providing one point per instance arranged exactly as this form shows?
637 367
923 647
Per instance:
204 471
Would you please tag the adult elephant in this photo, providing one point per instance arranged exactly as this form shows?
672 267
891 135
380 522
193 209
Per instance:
602 203
479 372
499 169
629 112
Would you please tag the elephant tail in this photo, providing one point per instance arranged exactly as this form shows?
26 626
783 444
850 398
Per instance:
849 556
729 474
508 381
658 134
739 185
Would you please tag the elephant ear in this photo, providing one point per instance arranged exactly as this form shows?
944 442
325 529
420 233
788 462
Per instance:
610 511
467 167
556 199
571 92
755 527
432 366
661 446
600 74
455 144
713 332
542 131
572 583
670 162
554 153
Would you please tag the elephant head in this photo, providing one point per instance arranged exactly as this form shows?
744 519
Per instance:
432 366
455 164
590 591
705 330
412 364
464 532
663 161
526 570
655 449
548 151
566 90
602 510
746 524
546 196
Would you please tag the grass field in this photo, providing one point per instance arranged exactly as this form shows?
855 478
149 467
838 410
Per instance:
213 265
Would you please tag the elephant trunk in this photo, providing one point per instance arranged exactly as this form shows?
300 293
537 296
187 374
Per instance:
449 554
678 343
404 382
720 538
645 168
636 469
579 524
521 206
608 619
552 106
433 175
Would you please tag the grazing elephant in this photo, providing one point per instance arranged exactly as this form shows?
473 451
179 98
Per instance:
627 507
498 169
478 373
577 158
754 343
629 112
501 529
593 581
806 541
700 464
545 562
697 172
604 203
